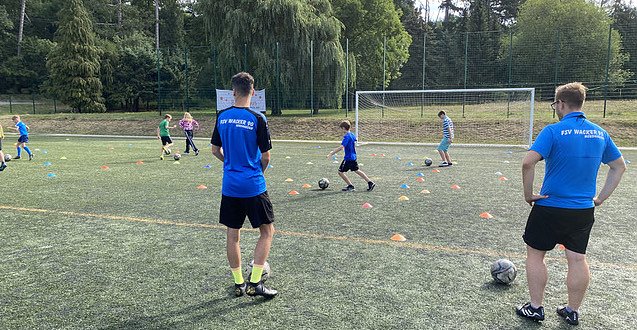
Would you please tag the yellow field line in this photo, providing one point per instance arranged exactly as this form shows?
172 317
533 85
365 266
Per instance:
409 245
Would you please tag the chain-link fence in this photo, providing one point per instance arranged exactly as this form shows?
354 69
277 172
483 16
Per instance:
308 80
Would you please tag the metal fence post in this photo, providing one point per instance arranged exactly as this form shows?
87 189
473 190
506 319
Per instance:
382 110
346 76
33 101
187 92
610 30
158 83
312 78
10 104
245 57
55 106
557 62
466 63
424 52
510 72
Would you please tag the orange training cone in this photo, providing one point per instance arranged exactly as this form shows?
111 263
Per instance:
367 206
139 162
435 171
455 187
289 180
420 179
398 238
104 168
293 192
403 198
425 191
486 215
201 187
503 178
307 185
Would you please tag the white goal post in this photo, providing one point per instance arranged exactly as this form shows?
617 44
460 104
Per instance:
475 112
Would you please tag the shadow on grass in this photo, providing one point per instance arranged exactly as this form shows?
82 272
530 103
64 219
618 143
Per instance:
204 312
492 286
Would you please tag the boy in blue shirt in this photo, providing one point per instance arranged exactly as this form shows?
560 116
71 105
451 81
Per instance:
23 130
563 212
349 161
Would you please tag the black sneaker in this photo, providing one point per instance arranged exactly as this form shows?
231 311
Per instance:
348 188
370 185
30 156
16 157
535 314
167 151
258 289
3 166
187 153
196 152
240 289
571 317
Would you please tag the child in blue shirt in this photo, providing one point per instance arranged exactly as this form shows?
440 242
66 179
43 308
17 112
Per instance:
349 161
23 129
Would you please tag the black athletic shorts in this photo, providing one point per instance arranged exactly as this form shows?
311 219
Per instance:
166 140
549 226
348 165
234 210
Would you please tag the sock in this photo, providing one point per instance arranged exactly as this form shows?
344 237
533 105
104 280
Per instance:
257 271
27 150
19 151
237 275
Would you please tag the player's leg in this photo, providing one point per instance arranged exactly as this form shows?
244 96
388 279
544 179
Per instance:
536 274
447 157
19 150
370 183
261 216
24 146
232 214
3 164
187 151
577 278
345 166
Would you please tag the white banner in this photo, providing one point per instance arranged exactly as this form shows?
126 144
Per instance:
225 100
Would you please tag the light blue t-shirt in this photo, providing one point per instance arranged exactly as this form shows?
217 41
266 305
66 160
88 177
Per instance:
22 128
349 142
573 149
244 135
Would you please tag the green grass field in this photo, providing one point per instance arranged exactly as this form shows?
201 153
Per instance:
139 246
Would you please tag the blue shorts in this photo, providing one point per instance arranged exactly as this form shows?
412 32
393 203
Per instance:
23 138
444 144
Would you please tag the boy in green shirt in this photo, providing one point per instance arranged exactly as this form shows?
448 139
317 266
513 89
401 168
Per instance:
163 134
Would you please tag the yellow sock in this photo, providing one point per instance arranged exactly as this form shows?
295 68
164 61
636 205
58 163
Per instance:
238 276
257 271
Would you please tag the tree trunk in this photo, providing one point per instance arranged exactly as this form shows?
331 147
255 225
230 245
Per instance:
136 104
23 5
119 14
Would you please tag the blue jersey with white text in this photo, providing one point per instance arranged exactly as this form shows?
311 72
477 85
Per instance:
573 150
349 144
22 128
244 135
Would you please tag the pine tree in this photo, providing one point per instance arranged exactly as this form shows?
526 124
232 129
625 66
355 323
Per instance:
74 63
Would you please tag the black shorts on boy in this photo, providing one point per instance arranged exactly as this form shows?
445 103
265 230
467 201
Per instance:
234 210
348 165
166 140
549 226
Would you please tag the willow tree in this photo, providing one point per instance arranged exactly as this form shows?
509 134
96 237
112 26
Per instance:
74 62
289 46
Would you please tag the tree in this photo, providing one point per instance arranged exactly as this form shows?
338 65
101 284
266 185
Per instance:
625 21
565 39
74 63
367 24
273 40
414 23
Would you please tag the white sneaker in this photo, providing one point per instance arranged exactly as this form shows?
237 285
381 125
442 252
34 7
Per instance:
443 164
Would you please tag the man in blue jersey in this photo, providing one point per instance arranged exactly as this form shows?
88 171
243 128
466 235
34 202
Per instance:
349 160
23 139
447 139
563 212
241 140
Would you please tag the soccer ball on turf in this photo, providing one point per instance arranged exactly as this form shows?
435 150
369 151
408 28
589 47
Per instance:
7 157
266 270
503 271
324 183
428 162
177 156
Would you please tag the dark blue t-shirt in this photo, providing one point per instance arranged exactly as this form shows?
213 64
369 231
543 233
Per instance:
349 144
244 135
573 149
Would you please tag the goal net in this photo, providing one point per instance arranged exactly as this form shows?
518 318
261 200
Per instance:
480 116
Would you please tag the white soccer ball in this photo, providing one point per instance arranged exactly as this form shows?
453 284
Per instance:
503 271
7 157
177 156
324 183
266 271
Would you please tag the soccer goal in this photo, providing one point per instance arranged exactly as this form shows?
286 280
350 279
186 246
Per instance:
480 116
